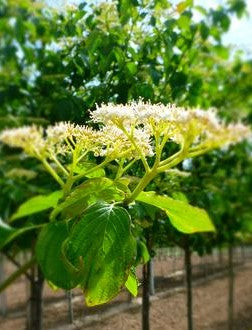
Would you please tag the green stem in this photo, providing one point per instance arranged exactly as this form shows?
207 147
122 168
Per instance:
60 166
173 162
194 153
125 169
161 147
141 185
82 156
52 172
142 157
120 168
70 180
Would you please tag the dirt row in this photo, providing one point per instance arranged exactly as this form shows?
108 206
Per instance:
210 308
169 274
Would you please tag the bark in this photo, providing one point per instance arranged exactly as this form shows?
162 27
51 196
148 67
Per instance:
3 301
35 311
230 288
174 268
70 306
188 269
152 278
146 297
243 255
220 255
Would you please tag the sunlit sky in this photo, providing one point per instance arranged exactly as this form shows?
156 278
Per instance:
239 35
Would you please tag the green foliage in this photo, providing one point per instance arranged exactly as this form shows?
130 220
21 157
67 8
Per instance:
8 233
143 255
102 244
89 192
60 65
50 257
132 284
224 190
184 217
37 204
83 168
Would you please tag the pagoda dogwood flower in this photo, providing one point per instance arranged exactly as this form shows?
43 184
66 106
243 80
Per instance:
29 138
187 127
131 132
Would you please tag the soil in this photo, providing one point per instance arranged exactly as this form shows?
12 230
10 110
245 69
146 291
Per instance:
210 302
210 309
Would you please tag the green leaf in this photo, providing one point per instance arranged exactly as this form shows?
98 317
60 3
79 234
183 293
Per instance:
88 193
221 51
103 241
51 258
204 30
183 5
184 22
119 55
178 195
143 255
132 67
5 232
37 204
132 284
184 217
8 233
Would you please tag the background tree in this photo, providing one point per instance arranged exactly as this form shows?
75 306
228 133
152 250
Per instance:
54 66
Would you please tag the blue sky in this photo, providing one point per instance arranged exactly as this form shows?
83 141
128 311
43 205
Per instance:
239 35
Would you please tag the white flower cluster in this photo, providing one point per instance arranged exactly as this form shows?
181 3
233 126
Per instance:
29 138
62 138
191 126
129 131
114 142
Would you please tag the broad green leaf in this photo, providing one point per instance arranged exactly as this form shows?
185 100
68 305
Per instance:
8 233
132 284
37 204
184 217
103 241
86 194
51 258
178 195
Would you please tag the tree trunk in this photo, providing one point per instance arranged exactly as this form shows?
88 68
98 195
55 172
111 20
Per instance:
230 289
152 278
146 297
188 269
243 256
70 306
220 257
174 268
36 300
3 302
